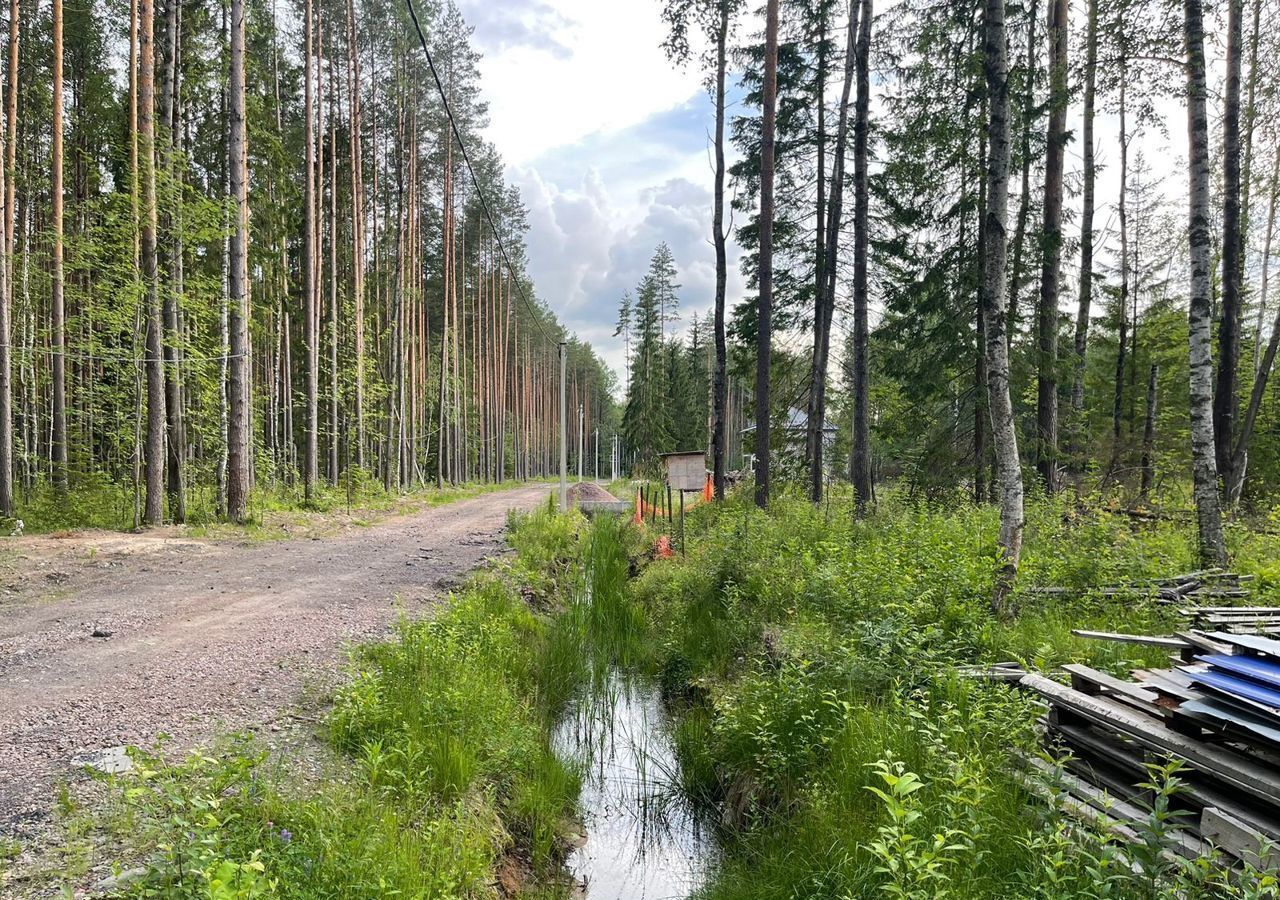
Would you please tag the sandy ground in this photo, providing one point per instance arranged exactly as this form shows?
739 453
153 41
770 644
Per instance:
110 639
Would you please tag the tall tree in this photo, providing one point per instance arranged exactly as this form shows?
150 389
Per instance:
1231 315
719 381
239 434
1086 244
153 513
310 262
994 304
7 269
1204 466
764 313
1051 267
57 302
862 487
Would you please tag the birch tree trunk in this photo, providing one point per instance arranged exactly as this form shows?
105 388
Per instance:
765 303
1204 464
994 304
239 435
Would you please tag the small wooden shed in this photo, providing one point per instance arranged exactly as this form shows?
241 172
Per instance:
686 470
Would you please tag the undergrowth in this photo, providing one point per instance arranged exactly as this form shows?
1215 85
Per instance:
824 715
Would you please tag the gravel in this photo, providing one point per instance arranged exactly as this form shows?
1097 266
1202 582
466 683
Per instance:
143 635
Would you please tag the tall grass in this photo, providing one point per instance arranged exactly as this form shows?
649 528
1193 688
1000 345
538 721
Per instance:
824 717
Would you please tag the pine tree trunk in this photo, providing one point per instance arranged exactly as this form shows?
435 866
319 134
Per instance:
239 435
1204 464
333 274
765 304
310 287
862 486
1231 314
6 264
1016 274
171 251
719 385
1077 454
58 455
994 304
1122 207
153 513
357 225
821 334
1050 272
1266 360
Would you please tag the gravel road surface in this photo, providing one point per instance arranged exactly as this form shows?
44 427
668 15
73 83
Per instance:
110 639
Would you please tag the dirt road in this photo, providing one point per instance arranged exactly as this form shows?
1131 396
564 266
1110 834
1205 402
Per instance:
109 639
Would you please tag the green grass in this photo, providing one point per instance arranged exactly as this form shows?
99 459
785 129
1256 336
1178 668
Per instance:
816 661
277 510
443 767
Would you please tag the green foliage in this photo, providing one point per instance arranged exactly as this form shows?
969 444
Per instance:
822 709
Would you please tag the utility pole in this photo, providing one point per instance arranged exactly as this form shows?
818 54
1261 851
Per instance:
564 439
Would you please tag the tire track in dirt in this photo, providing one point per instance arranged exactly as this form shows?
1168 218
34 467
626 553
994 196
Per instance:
204 636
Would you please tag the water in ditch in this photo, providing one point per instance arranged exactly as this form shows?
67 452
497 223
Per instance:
644 840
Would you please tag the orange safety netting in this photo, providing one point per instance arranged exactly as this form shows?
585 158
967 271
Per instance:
645 508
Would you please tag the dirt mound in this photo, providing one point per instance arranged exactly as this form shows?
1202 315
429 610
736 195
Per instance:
589 491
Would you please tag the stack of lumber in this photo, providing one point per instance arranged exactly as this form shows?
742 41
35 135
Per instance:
1217 708
1206 585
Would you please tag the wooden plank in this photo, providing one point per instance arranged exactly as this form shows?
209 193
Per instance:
1152 640
1203 642
1222 764
1221 829
1084 677
1112 813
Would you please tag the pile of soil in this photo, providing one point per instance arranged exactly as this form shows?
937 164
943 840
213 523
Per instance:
589 491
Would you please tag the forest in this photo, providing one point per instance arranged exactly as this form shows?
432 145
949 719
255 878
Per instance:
922 540
246 257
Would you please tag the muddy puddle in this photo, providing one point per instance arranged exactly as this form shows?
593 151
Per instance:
644 841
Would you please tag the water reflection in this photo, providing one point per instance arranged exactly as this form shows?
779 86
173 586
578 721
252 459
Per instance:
643 839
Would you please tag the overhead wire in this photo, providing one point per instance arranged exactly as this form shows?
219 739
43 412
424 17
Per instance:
475 181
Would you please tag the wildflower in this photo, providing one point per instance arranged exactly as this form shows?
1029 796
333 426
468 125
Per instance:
285 835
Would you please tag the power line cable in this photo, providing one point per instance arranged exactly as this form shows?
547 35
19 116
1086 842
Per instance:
484 203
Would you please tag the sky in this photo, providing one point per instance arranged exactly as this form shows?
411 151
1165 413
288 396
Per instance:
608 143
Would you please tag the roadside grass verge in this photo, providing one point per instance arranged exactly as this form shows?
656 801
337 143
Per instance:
277 510
445 777
815 660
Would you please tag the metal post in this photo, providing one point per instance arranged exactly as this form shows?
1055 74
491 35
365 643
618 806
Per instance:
564 438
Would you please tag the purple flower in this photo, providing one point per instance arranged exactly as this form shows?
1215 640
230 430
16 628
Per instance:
285 835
